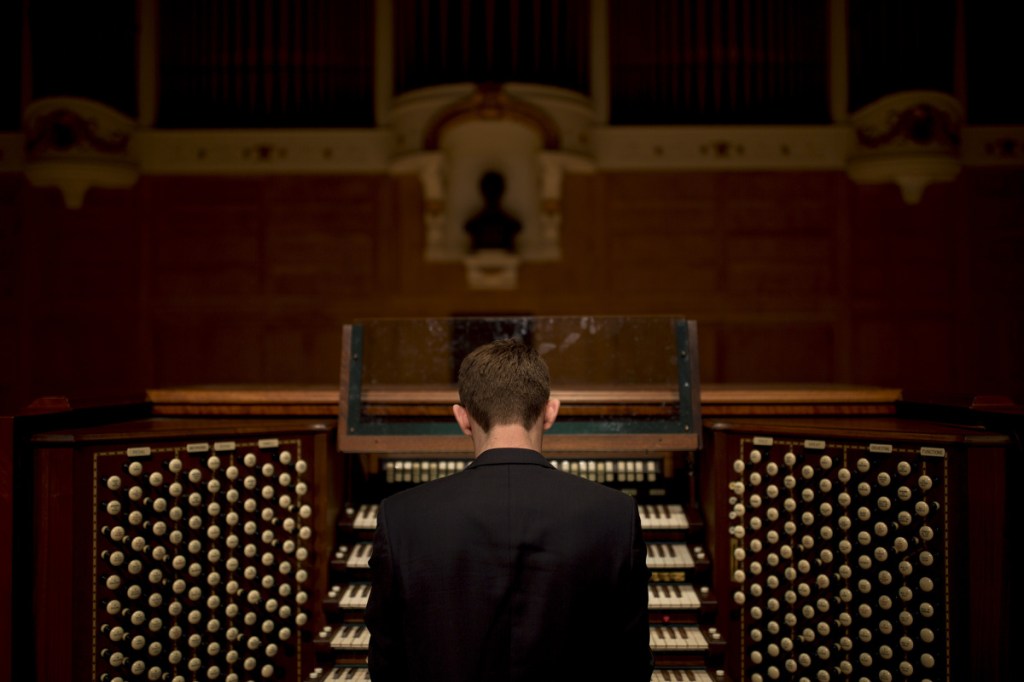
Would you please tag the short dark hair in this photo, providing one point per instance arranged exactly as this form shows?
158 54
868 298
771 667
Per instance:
504 382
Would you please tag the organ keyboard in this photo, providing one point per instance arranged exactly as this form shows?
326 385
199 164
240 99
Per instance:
659 596
354 596
342 674
355 557
362 674
677 597
672 596
663 517
652 517
677 638
684 675
660 555
366 517
350 637
664 555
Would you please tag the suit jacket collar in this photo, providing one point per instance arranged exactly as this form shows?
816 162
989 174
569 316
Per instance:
509 456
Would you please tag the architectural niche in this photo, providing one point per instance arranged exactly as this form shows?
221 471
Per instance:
450 137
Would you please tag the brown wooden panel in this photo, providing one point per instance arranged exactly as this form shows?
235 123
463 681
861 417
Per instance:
693 191
813 186
95 351
995 197
6 542
755 214
93 253
775 278
904 349
199 190
693 217
902 265
806 247
207 349
996 260
297 354
200 252
718 399
11 380
9 250
791 264
320 250
991 346
777 351
673 261
352 193
900 251
53 524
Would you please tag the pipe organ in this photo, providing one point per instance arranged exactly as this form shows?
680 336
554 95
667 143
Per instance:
216 534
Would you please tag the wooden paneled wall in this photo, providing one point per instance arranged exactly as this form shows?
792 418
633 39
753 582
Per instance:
793 277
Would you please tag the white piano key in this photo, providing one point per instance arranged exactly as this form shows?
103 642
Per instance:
349 674
672 596
366 517
681 675
663 516
677 638
353 636
669 555
359 557
339 636
355 596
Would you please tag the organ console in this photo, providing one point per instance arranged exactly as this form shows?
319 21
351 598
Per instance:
811 533
634 431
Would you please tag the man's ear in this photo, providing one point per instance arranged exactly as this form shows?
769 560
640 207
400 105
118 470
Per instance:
462 419
551 412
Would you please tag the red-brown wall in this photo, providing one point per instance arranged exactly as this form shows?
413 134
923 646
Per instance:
793 277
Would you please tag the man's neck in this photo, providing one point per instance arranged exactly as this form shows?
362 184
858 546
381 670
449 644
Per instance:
508 436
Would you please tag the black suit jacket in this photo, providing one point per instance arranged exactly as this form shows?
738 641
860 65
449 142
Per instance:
509 571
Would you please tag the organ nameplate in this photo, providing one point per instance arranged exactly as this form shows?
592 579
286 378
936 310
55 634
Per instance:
265 443
933 452
139 452
880 448
763 440
195 448
814 444
224 445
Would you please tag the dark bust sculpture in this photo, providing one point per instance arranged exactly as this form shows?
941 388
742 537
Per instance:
492 228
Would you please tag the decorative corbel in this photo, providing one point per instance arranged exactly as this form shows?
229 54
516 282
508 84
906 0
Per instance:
74 144
909 138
